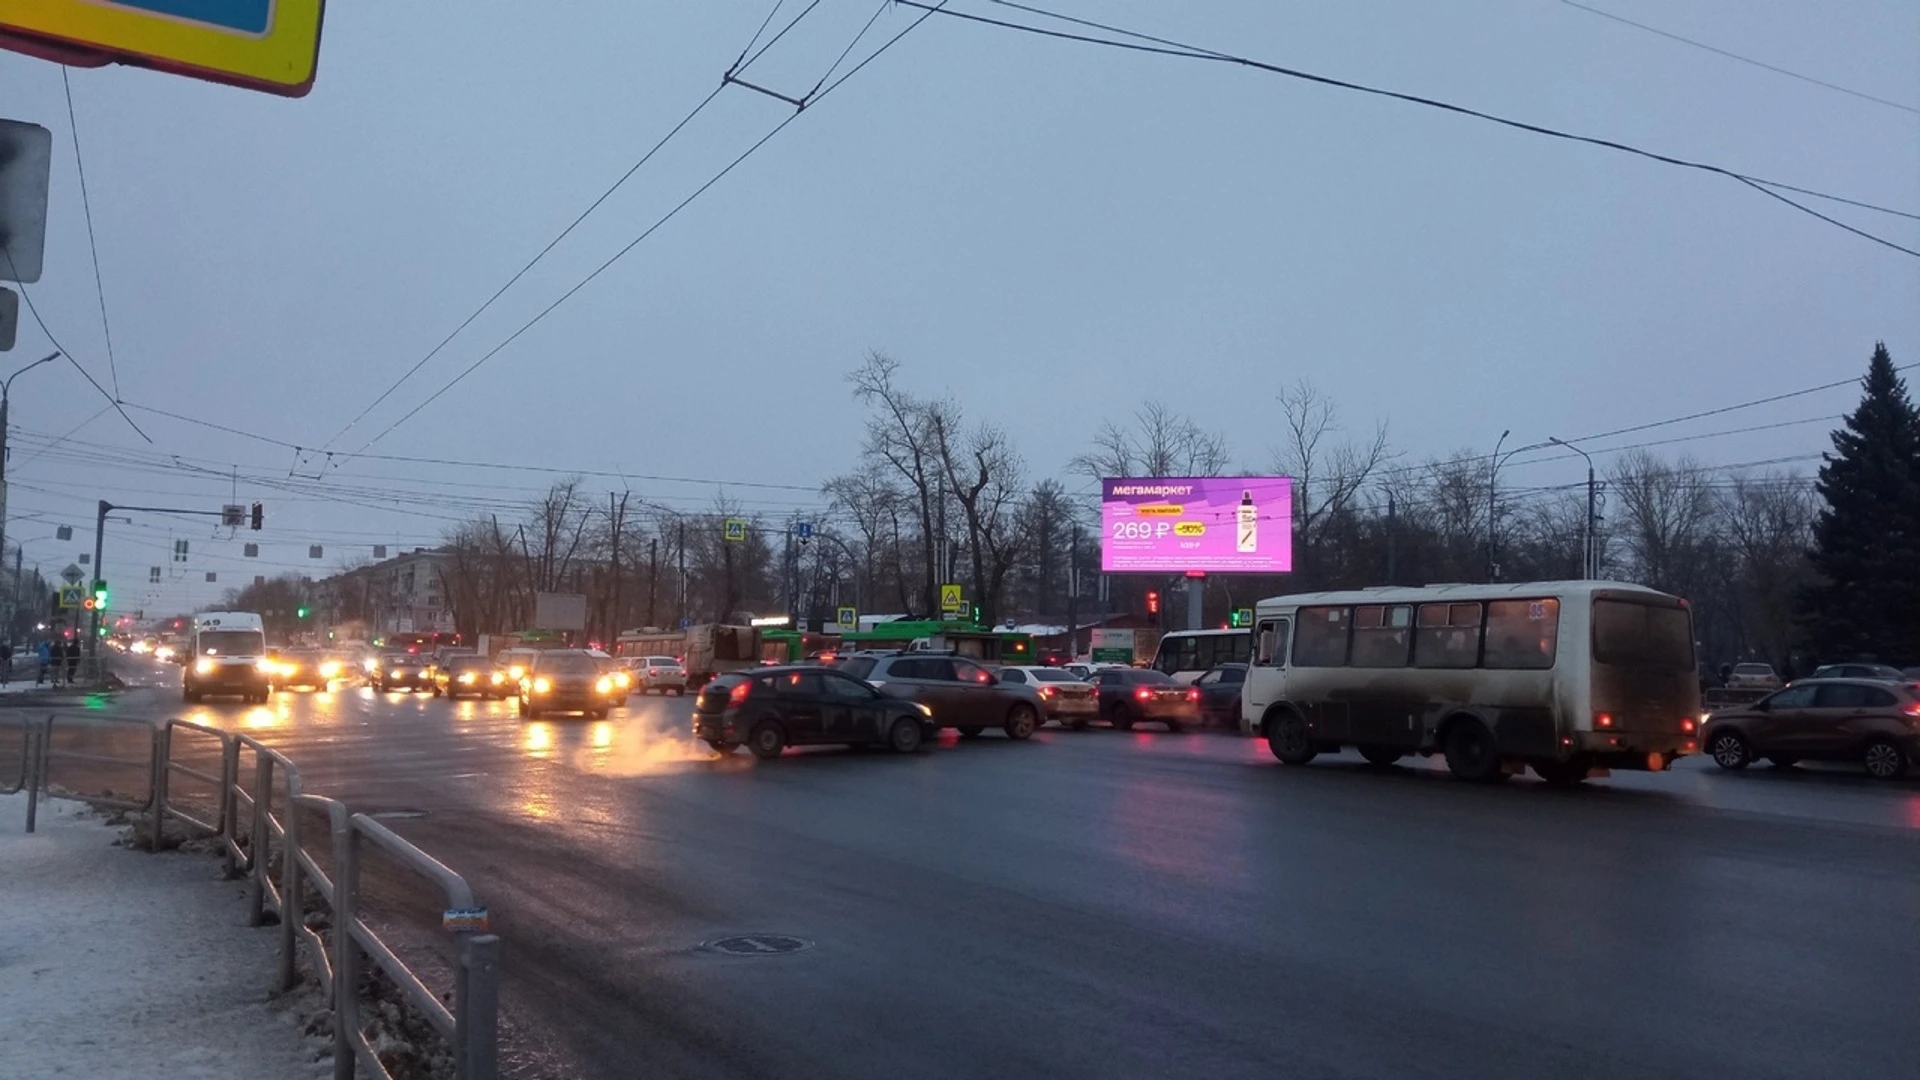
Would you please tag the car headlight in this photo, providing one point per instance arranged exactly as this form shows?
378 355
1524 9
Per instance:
270 667
329 669
498 678
925 709
371 666
517 672
394 674
604 686
622 679
466 677
203 666
541 686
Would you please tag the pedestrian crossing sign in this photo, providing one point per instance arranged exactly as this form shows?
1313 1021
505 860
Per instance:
72 596
735 530
849 618
951 599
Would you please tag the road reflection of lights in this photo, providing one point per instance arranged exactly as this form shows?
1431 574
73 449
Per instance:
539 806
602 735
539 739
262 717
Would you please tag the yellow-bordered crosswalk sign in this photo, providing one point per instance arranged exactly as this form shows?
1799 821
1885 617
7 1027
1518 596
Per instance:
951 598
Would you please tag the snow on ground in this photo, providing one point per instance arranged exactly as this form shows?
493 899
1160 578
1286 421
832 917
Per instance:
116 964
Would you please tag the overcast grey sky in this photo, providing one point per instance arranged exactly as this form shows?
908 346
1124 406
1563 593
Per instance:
1051 232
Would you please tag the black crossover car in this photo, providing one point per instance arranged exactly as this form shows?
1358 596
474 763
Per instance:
770 709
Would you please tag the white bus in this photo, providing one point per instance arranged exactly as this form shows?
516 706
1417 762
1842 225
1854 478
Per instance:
1572 678
1188 654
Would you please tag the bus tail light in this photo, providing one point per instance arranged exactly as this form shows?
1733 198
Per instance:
1603 720
1687 724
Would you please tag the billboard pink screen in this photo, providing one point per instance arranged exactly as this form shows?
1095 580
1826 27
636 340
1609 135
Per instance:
1210 524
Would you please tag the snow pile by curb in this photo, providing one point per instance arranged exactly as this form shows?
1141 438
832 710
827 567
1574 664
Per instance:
117 965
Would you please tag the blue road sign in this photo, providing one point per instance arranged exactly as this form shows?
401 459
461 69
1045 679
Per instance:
246 16
803 530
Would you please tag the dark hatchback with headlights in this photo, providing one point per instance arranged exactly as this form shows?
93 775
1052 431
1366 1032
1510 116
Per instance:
568 680
1871 722
770 709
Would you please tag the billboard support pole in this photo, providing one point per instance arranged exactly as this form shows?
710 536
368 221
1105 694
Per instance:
1196 597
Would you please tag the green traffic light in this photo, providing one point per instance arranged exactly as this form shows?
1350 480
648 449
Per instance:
302 612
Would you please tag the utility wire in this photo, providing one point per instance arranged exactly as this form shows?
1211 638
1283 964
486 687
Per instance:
93 249
522 272
113 400
1180 50
651 229
1743 59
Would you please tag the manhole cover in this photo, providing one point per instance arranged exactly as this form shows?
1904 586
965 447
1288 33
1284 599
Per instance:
380 814
758 945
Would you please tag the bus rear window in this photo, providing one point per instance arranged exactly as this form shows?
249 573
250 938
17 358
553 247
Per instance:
1642 635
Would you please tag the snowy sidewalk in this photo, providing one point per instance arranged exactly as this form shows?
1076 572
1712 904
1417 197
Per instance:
120 965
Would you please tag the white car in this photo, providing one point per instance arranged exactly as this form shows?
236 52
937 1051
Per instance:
1064 696
1753 677
659 675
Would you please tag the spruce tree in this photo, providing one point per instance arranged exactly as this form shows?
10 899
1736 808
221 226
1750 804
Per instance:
1867 537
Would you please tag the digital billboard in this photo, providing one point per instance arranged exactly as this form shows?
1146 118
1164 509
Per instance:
1200 524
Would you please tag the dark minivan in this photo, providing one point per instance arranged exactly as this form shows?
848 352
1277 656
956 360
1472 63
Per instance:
769 709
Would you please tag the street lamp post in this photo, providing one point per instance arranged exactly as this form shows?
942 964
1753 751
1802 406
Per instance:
1590 567
6 390
1493 489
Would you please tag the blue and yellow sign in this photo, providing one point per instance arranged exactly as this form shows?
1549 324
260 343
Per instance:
271 45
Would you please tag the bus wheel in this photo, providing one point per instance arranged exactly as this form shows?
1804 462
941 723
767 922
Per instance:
1560 773
1381 755
1287 738
1471 753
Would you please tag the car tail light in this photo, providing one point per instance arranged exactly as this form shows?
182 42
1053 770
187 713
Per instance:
1046 691
1193 694
1686 723
738 695
1143 694
1604 720
1912 708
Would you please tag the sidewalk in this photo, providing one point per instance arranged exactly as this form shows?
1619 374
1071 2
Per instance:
120 965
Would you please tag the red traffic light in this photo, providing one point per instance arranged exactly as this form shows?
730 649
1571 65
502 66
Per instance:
90 603
1153 601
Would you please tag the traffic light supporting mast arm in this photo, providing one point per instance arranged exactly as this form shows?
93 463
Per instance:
99 545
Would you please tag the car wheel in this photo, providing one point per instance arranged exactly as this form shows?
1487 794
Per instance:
767 740
1471 753
1123 719
906 735
1885 760
1287 738
1729 751
1782 761
1022 722
722 746
1381 755
971 731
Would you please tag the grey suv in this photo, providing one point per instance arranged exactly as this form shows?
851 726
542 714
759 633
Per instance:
961 693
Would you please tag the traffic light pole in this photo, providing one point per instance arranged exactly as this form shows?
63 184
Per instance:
99 571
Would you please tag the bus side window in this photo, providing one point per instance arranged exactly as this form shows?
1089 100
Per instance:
1270 649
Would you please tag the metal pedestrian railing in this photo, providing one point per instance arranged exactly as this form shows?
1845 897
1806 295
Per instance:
254 805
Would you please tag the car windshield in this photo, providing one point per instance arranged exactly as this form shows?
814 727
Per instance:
232 643
567 664
1047 674
1752 669
467 663
1147 675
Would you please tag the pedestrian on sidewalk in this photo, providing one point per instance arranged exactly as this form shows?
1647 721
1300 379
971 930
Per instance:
6 662
44 653
73 660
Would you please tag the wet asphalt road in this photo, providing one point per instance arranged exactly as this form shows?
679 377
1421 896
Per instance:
1106 905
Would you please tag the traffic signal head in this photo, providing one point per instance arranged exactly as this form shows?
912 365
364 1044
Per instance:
1153 601
99 596
259 517
90 604
302 611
